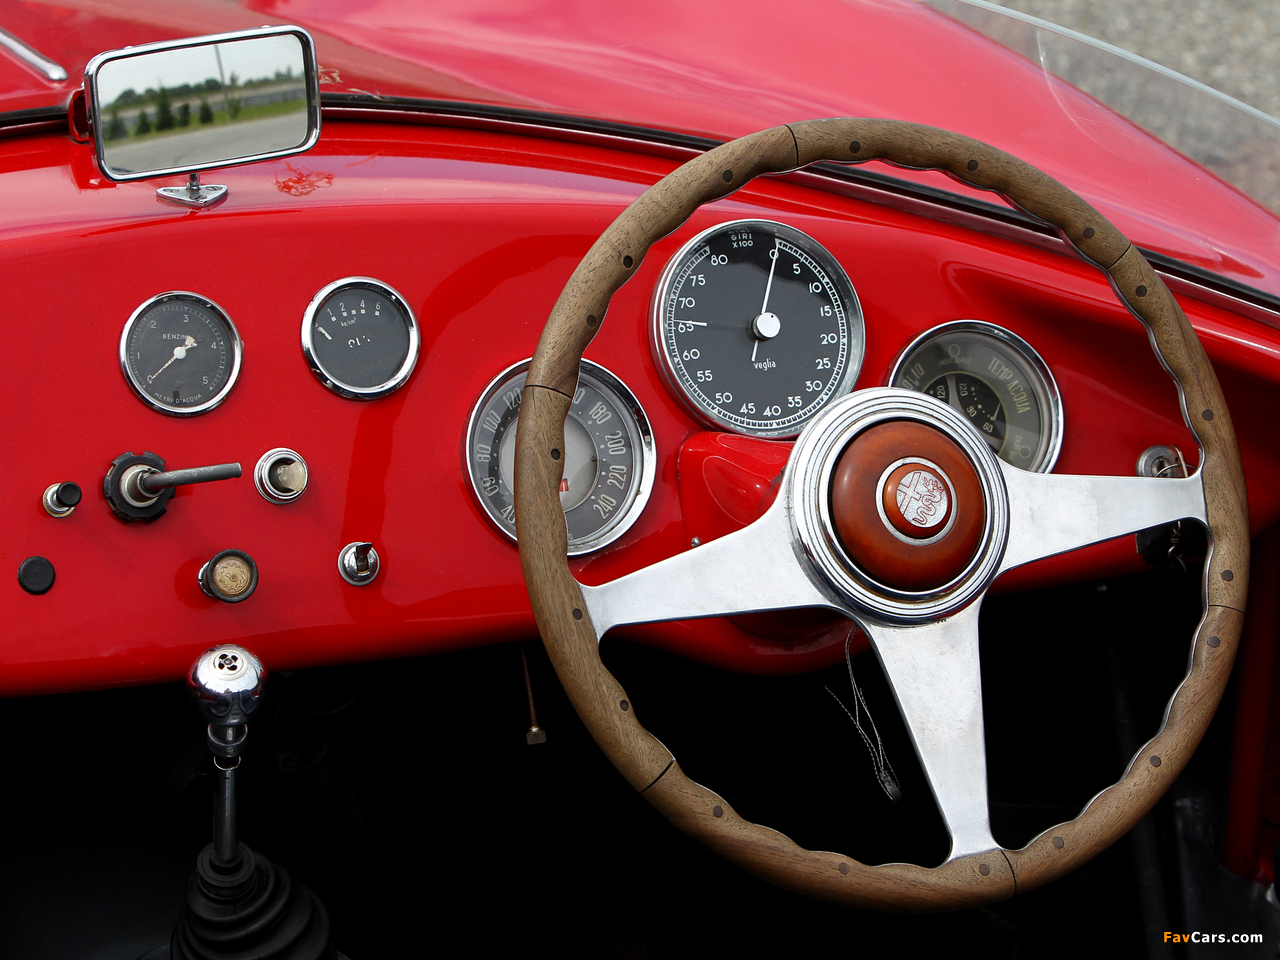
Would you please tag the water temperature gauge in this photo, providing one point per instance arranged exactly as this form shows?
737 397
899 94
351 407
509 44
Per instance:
997 381
360 338
609 460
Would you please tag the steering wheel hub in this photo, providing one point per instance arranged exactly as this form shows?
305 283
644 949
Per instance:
898 504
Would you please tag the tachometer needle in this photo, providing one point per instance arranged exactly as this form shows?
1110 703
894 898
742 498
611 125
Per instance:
766 325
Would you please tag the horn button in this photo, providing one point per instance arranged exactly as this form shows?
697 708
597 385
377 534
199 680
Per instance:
907 505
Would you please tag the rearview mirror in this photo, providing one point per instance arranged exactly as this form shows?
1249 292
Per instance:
188 105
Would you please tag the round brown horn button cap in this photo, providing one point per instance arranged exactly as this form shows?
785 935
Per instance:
902 533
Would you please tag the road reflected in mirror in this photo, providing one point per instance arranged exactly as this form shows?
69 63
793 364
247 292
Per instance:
202 105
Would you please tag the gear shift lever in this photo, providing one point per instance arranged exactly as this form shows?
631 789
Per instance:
240 904
226 685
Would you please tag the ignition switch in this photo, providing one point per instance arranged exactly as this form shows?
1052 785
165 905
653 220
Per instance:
358 563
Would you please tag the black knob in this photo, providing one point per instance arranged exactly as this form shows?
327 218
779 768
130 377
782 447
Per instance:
36 575
61 498
230 576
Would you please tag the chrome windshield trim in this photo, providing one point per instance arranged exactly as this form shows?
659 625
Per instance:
33 59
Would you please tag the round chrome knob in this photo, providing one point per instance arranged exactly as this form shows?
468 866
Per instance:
226 684
280 475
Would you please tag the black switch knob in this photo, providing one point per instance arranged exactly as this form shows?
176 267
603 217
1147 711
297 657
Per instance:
61 498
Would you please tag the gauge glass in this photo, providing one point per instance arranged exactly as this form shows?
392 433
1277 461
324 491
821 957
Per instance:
360 338
180 353
756 328
608 457
997 381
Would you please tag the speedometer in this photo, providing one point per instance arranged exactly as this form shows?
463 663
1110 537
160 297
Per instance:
756 328
609 461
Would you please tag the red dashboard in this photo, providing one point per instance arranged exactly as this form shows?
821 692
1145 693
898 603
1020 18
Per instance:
478 229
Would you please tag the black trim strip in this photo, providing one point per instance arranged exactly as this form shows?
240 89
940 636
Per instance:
1201 277
567 122
18 123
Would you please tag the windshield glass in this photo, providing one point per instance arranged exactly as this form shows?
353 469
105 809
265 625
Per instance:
1232 140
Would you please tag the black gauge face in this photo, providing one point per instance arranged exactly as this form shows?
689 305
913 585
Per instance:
997 381
360 338
180 353
608 456
756 327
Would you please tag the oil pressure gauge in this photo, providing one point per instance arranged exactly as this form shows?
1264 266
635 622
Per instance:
180 353
360 338
609 458
997 381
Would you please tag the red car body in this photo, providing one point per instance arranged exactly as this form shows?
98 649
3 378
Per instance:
470 154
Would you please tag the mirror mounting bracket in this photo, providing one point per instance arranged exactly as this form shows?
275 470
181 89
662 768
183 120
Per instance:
195 193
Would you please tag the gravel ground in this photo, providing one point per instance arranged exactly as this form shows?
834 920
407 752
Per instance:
1230 45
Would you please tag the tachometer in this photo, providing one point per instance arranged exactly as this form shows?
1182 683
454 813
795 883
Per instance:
609 460
180 353
995 379
756 328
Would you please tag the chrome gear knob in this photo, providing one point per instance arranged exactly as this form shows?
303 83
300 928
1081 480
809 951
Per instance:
226 684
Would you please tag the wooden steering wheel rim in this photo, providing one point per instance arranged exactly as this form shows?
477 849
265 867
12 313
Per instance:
570 638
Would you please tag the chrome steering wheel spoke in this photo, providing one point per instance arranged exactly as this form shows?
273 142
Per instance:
1050 514
934 672
750 570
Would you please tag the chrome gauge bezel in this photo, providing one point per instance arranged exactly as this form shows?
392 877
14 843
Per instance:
636 424
1040 379
703 408
233 336
335 383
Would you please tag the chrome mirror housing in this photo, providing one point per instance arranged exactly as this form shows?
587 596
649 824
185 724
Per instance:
183 106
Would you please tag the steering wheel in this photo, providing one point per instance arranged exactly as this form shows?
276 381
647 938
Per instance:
835 538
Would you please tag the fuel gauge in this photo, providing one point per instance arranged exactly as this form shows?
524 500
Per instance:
180 353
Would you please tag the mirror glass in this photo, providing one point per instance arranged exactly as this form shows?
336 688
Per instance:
203 105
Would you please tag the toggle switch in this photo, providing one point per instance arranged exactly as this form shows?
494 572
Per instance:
358 563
